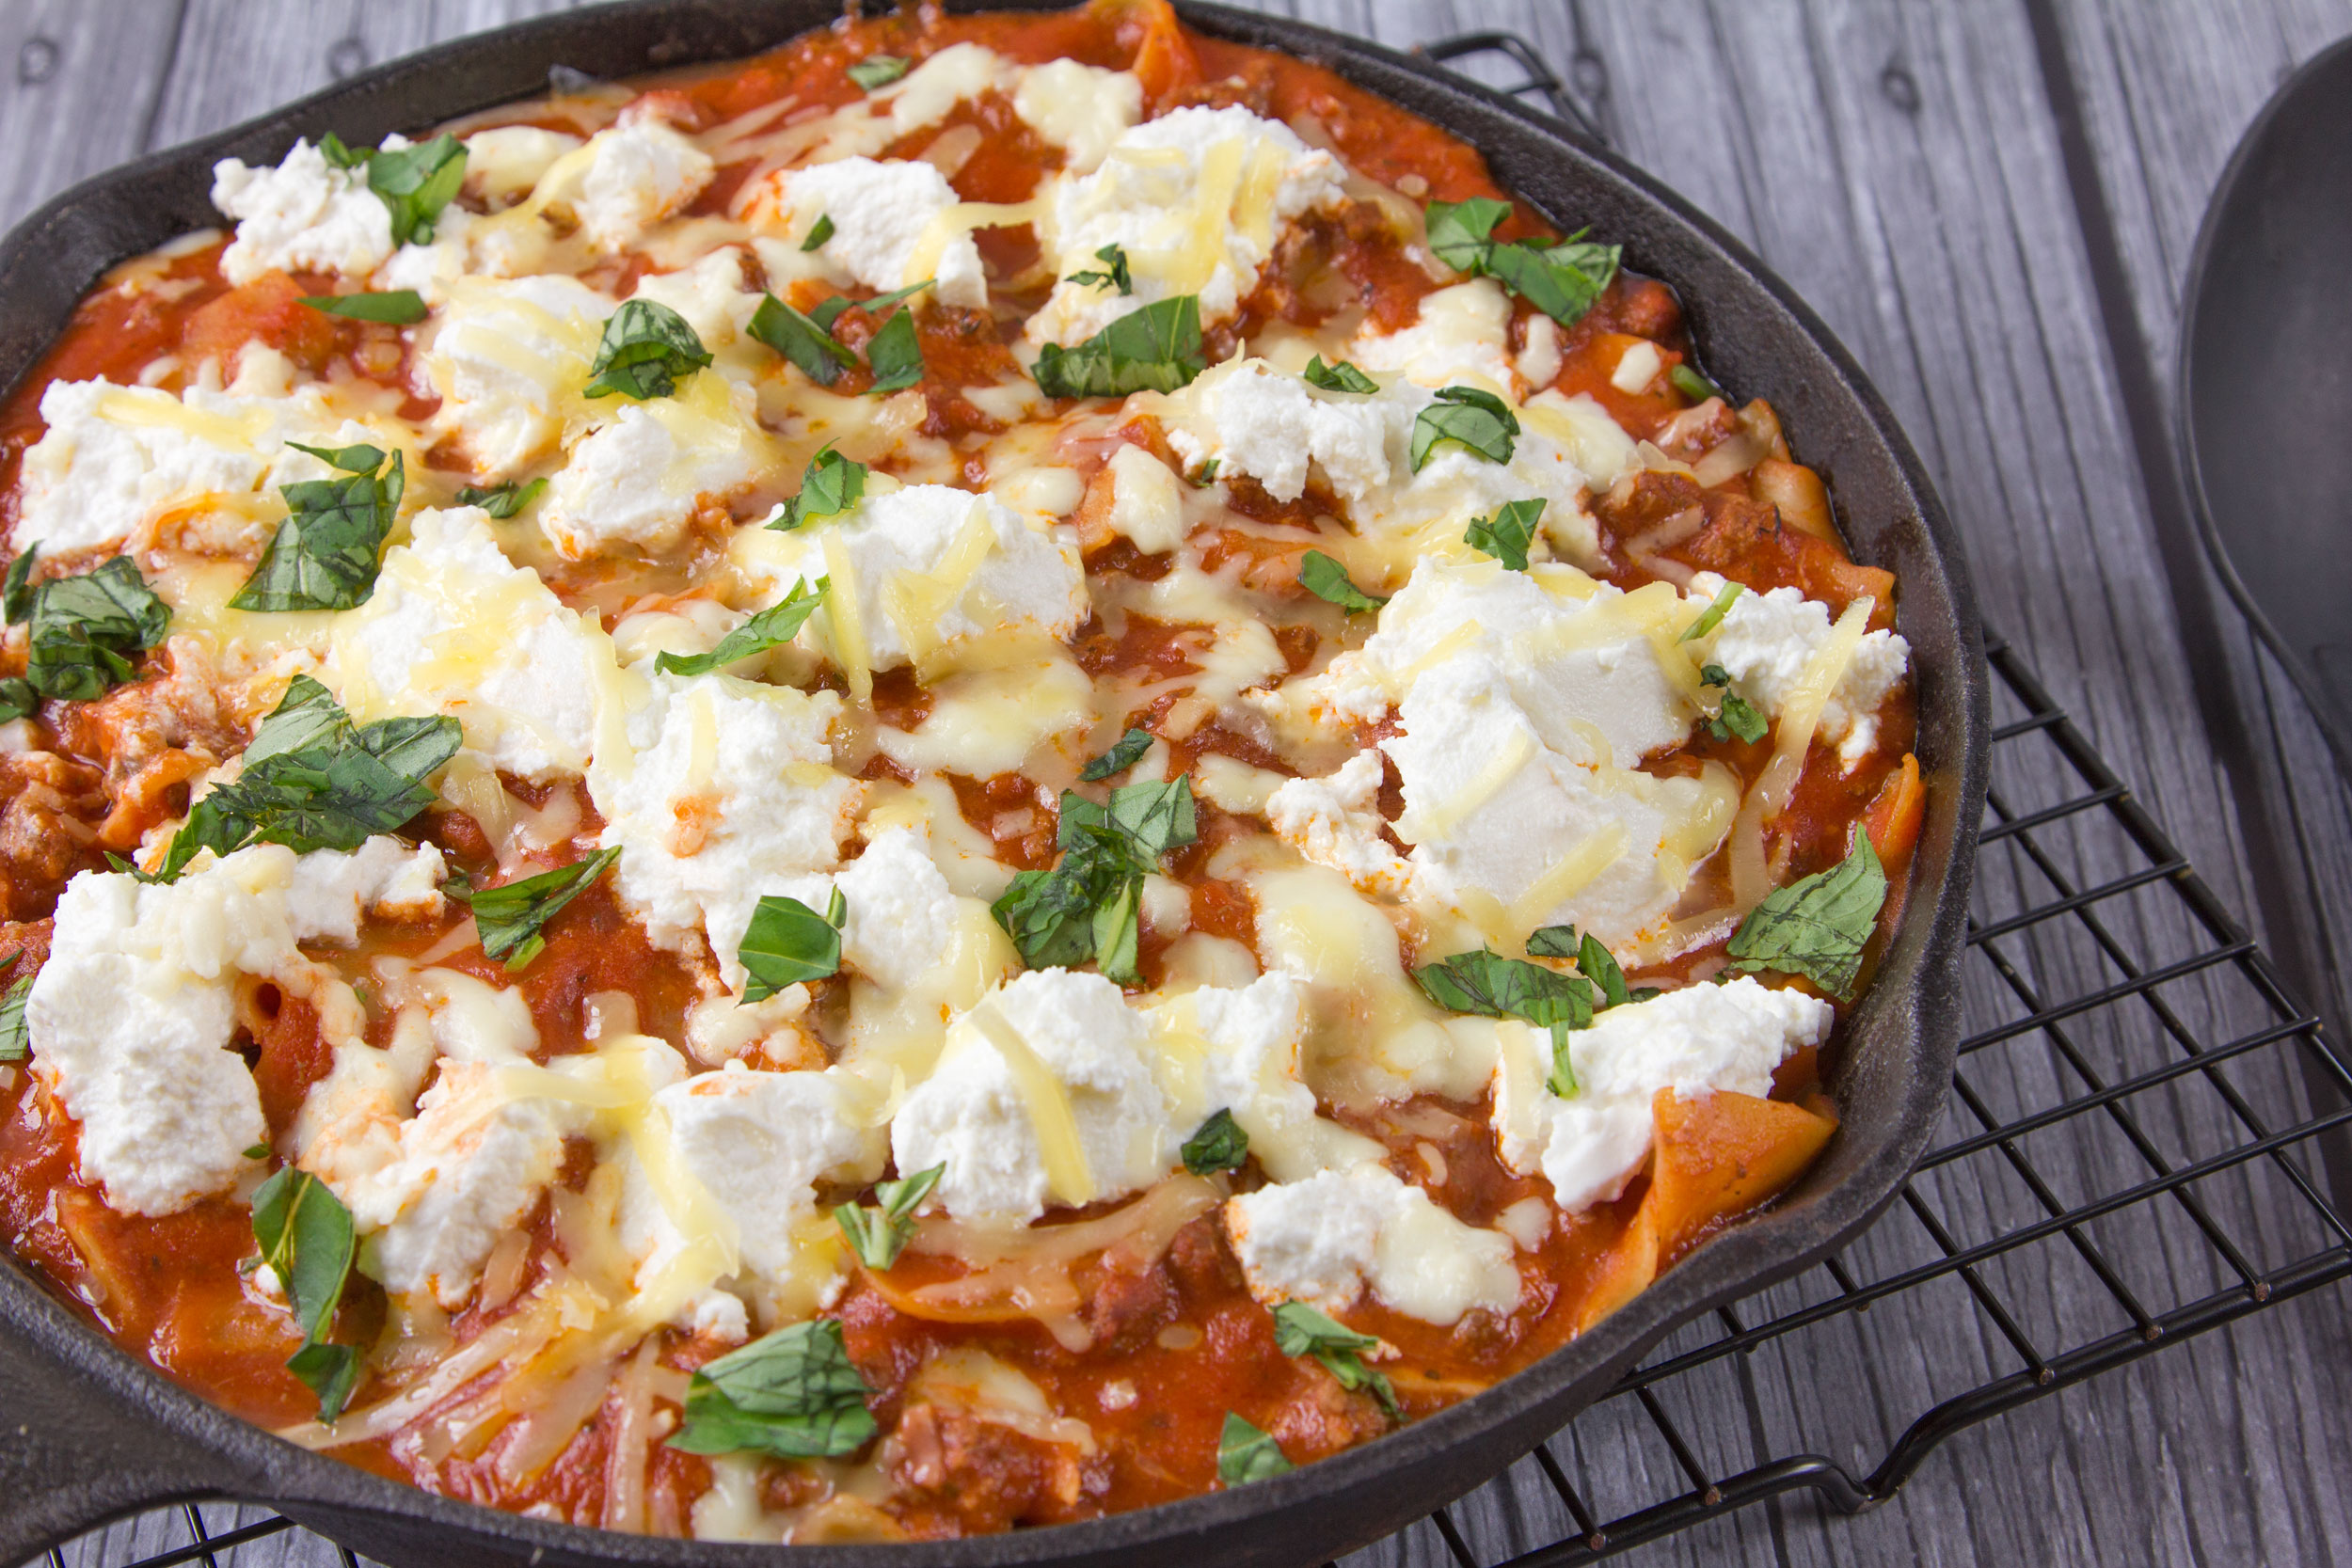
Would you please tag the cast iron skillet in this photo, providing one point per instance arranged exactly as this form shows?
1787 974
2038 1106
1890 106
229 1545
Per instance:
97 1434
2265 370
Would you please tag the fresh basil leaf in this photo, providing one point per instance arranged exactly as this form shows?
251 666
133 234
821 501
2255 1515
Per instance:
895 355
1553 941
1220 1145
313 780
794 1394
326 554
16 1039
878 1235
18 699
307 1238
394 306
770 628
1561 280
1116 275
1156 349
1205 475
818 233
1691 385
416 183
647 350
83 628
821 355
1712 616
1340 377
1602 968
1508 532
1300 1330
1244 1454
1328 580
338 155
1088 905
838 306
830 485
512 917
788 943
1492 986
1817 926
503 501
1738 720
1124 755
1460 232
1466 416
879 71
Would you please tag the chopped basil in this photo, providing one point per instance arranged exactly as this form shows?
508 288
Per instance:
832 309
895 355
1244 1454
15 1039
1122 755
794 1394
307 1239
821 355
1086 907
1466 416
788 943
18 699
416 183
818 233
1712 616
878 1235
1598 964
395 307
1691 385
831 485
647 350
84 629
1339 377
313 780
1205 475
1220 1145
501 502
1562 279
1326 580
1492 986
1508 532
770 628
1817 927
1117 277
1300 1330
1461 232
1737 717
325 555
1156 349
878 71
512 917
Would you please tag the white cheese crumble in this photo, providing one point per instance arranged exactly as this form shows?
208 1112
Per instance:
1335 821
1043 1094
301 216
1463 333
638 481
899 908
1272 426
881 213
453 627
931 564
1197 198
1766 640
1328 1239
637 174
724 794
709 294
1694 1041
116 462
509 360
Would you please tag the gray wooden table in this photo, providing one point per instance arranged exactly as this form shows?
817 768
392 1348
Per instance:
1991 203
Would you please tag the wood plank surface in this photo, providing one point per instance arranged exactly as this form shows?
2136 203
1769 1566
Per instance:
1901 166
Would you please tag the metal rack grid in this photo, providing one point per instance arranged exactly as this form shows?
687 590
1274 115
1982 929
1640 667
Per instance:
2133 1154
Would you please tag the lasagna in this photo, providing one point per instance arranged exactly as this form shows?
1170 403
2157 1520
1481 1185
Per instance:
997 768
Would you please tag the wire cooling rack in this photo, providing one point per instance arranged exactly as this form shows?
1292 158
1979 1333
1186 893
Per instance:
2132 1154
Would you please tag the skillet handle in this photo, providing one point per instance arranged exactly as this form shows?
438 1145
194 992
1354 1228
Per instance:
79 1447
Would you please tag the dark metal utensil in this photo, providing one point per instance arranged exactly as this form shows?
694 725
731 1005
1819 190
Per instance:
2265 384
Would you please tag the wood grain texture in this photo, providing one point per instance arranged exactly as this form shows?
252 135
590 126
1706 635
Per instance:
1899 166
